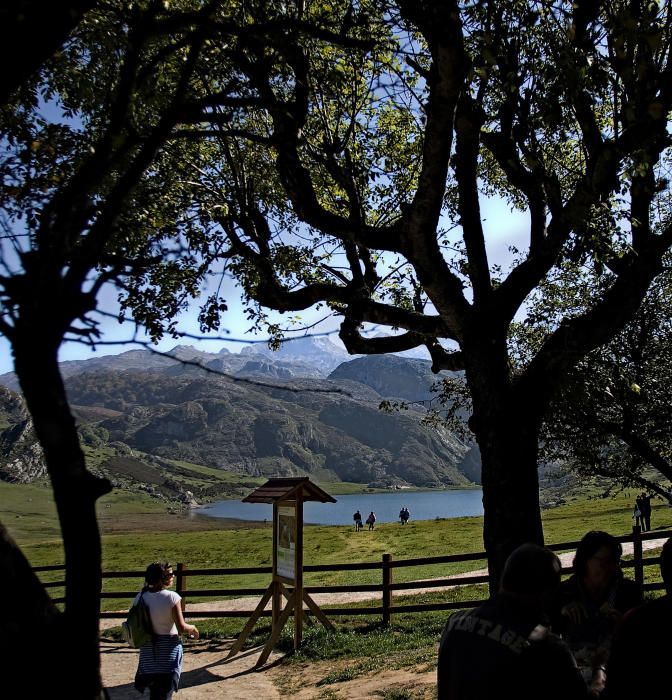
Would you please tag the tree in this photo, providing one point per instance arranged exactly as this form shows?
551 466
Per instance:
356 183
68 195
90 199
96 177
610 417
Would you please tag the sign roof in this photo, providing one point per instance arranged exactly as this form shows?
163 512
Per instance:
288 488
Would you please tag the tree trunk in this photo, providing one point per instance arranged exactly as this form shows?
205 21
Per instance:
75 493
507 432
510 482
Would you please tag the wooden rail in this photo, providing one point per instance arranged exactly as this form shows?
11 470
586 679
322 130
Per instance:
387 587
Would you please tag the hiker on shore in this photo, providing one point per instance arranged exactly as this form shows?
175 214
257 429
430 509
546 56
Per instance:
642 647
357 517
371 520
404 515
160 663
505 649
591 602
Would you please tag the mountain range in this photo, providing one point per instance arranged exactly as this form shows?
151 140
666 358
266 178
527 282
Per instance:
306 409
303 357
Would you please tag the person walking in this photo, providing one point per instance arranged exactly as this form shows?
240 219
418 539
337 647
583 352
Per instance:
637 514
357 517
160 662
505 649
371 520
645 507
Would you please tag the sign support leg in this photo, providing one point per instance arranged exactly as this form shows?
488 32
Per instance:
252 621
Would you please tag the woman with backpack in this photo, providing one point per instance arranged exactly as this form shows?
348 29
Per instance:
371 520
160 663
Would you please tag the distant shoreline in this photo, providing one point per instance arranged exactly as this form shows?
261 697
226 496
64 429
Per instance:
424 504
364 492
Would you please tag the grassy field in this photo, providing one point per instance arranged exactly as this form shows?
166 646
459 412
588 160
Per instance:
136 530
126 518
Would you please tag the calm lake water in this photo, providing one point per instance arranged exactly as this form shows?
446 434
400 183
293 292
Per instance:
423 505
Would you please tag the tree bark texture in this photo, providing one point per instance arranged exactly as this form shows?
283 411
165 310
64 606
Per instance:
510 483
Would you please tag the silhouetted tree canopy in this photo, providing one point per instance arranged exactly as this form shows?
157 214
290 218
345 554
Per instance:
356 177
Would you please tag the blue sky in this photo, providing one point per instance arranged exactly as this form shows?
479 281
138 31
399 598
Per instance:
503 229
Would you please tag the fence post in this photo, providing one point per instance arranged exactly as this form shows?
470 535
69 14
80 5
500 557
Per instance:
181 584
637 555
387 593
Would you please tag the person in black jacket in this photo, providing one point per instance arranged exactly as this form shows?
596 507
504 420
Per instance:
645 507
504 648
357 517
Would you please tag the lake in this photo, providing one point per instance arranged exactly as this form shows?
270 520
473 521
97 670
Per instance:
423 505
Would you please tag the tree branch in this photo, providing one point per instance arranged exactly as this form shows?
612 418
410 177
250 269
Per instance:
577 336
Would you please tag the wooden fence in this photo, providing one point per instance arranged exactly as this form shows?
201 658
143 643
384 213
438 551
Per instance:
387 587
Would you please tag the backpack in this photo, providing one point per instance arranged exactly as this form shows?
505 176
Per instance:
137 630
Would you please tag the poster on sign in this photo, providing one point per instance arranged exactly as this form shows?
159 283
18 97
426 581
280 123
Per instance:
286 544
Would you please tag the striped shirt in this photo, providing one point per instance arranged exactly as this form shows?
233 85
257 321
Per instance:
162 657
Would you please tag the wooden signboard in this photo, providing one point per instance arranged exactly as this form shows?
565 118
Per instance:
287 496
285 526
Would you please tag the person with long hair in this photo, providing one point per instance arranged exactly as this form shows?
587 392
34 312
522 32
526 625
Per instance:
594 598
160 662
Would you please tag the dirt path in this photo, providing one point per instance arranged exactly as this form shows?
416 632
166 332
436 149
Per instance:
207 673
